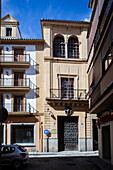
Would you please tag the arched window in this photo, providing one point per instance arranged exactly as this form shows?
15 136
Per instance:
59 47
73 48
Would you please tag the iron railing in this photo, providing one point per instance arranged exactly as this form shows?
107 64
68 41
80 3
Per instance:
9 82
23 107
15 58
79 94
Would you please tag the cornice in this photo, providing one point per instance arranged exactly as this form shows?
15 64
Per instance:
22 41
66 60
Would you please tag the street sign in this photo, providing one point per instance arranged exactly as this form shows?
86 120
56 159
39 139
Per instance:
3 114
46 131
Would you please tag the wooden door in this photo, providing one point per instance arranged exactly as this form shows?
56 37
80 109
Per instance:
67 133
18 78
18 55
18 103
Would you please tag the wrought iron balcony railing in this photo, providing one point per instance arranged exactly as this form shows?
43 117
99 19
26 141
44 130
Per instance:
15 58
10 82
78 94
23 107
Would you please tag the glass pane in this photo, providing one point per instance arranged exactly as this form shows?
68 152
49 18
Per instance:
22 134
59 47
73 48
67 87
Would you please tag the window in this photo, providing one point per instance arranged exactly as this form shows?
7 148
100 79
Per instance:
23 134
8 31
73 48
106 61
18 104
18 54
59 47
67 87
18 79
5 150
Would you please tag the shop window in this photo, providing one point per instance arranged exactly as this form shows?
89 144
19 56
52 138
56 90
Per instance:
59 47
23 134
73 48
8 31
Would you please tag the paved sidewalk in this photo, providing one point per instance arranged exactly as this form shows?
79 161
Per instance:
63 154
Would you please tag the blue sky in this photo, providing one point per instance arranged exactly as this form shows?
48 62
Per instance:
29 13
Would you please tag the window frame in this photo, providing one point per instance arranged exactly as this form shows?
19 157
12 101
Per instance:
106 63
59 45
75 45
6 32
68 90
34 131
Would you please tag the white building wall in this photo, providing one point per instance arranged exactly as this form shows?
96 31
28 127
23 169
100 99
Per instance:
7 101
17 33
29 73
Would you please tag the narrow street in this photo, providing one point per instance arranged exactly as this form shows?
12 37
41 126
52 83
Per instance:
67 163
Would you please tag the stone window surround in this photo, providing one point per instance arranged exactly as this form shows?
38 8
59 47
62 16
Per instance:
66 38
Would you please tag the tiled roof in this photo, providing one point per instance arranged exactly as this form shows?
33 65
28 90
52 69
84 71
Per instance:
10 38
69 21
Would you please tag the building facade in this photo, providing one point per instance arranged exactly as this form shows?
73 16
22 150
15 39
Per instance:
100 66
44 87
18 86
66 105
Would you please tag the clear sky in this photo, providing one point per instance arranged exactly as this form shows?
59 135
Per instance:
29 13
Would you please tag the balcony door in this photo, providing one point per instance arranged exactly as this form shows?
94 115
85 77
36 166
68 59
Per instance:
18 103
67 87
18 78
18 54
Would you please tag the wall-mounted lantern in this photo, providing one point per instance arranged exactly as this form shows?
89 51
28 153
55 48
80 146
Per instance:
68 110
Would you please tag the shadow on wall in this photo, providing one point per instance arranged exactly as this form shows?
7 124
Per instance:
34 68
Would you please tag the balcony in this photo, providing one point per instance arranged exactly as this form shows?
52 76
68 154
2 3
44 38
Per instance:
10 84
77 98
18 61
68 94
20 109
64 95
102 94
